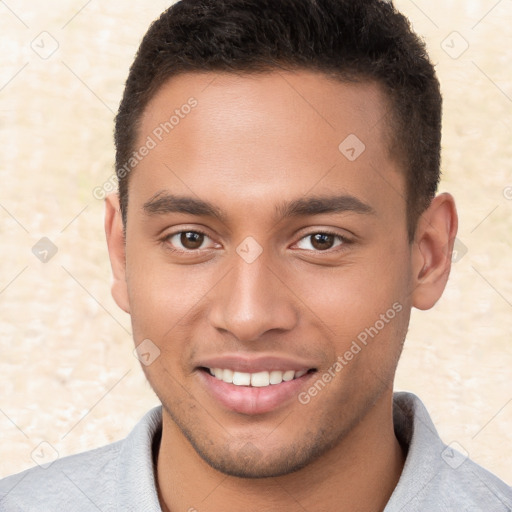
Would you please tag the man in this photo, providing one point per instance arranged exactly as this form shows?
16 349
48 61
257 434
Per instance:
276 222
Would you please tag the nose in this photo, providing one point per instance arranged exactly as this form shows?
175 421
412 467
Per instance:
251 300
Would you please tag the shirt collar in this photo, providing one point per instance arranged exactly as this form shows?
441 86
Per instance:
136 483
416 432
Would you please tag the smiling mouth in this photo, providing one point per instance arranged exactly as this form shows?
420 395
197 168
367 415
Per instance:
257 379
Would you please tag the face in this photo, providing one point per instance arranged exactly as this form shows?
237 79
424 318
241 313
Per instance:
266 242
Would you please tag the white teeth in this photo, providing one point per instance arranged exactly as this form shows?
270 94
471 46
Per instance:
258 379
276 377
288 375
227 375
241 379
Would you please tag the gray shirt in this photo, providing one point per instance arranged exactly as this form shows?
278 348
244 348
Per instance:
120 476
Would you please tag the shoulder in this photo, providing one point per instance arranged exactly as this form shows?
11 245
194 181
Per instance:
438 477
118 476
70 483
467 486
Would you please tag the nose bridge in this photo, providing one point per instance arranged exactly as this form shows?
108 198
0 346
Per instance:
252 300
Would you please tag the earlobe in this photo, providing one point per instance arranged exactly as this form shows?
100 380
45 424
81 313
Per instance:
432 251
116 250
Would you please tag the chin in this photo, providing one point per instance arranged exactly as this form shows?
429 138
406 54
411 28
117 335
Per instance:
260 459
250 463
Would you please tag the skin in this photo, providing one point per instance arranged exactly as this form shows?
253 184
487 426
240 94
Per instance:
252 144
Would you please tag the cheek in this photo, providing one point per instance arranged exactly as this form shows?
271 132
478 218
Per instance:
362 308
351 297
161 295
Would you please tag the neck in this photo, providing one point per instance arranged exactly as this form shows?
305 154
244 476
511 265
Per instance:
359 473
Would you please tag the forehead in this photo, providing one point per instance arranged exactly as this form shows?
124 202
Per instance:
324 103
250 135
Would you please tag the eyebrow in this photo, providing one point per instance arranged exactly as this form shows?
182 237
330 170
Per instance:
163 203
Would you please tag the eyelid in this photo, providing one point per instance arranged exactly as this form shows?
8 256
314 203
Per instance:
165 239
345 240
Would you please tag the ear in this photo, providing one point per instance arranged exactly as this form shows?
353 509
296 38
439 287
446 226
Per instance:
432 251
116 250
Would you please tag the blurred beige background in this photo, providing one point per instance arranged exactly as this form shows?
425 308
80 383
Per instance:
68 377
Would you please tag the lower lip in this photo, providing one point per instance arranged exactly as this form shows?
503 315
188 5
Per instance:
253 400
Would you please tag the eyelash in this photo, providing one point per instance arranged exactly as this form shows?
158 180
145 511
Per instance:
165 240
344 241
341 247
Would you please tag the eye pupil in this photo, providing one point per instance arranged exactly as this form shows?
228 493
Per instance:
322 241
191 239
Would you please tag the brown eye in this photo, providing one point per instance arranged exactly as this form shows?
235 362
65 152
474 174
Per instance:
188 241
322 241
191 239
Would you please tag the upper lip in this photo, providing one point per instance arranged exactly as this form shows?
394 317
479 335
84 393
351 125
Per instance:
253 364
